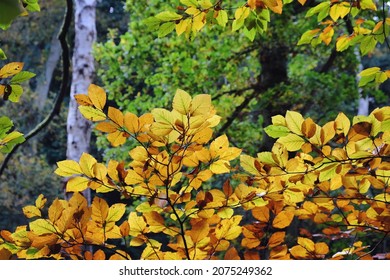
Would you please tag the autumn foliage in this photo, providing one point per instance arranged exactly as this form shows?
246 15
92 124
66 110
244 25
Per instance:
196 197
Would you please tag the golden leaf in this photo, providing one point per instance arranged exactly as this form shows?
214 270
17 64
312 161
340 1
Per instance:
274 5
99 210
97 96
40 201
276 239
231 254
342 124
68 168
107 127
87 163
42 226
11 69
133 178
201 105
306 243
55 210
292 142
131 123
199 231
294 122
31 211
261 214
182 102
92 114
299 252
115 116
83 100
137 224
77 184
116 138
115 212
283 219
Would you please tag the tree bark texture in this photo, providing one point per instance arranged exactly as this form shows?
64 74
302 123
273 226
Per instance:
78 128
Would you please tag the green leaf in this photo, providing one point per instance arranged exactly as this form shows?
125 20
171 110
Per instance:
21 77
368 44
369 71
5 126
17 91
292 142
168 16
2 55
250 34
276 131
237 24
9 10
166 28
42 226
365 80
222 18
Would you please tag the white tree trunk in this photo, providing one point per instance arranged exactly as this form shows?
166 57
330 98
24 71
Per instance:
78 128
46 78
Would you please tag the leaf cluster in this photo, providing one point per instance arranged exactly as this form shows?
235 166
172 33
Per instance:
334 175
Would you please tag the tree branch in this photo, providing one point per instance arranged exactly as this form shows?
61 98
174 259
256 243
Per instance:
64 90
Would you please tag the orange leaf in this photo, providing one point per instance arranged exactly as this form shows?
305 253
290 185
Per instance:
11 69
276 239
99 210
232 254
261 214
97 96
116 116
283 219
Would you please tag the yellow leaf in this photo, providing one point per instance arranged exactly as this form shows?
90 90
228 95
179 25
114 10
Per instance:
115 116
225 213
198 21
131 123
299 252
339 10
31 211
306 243
283 219
117 138
68 168
92 114
97 96
342 124
292 142
87 163
182 102
11 69
55 210
218 146
294 122
220 167
182 26
77 184
201 105
199 231
42 226
327 132
99 210
137 224
115 212
321 248
40 201
133 178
